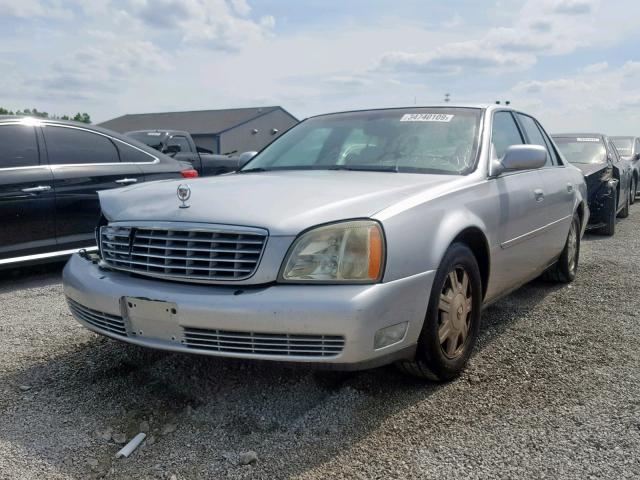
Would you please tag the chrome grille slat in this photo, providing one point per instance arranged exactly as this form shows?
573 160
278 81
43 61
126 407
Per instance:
281 344
184 254
101 320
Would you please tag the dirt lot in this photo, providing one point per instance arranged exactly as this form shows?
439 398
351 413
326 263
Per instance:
552 391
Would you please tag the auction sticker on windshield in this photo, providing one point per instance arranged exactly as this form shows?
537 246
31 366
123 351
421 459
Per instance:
426 117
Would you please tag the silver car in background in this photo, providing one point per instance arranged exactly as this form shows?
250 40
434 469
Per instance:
354 240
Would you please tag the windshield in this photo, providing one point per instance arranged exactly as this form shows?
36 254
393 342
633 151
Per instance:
152 139
419 140
582 149
624 145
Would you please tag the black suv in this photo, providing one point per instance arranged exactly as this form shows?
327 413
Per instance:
50 172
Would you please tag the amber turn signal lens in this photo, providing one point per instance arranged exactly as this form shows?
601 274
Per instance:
375 253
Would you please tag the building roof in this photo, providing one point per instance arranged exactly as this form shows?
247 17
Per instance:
195 122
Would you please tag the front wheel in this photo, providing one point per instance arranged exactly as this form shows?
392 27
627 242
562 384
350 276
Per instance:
564 270
452 323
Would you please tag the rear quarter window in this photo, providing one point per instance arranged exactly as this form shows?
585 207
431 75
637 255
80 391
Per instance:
73 146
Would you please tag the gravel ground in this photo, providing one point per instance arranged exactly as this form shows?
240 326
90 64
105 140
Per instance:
553 391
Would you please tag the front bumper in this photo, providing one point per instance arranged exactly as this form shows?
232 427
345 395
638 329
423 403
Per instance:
284 313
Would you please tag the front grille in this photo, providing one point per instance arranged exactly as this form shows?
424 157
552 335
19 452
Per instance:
263 343
101 320
189 254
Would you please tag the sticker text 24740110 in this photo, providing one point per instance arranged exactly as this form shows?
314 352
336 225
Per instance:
426 117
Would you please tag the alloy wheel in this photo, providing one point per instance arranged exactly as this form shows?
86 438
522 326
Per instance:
454 309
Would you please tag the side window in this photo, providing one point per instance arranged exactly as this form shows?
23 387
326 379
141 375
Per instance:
534 134
181 142
504 133
552 151
128 154
72 146
615 157
19 146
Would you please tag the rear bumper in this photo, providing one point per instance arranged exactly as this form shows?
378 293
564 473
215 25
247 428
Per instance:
353 313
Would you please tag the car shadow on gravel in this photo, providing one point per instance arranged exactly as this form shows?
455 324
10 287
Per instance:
202 412
30 276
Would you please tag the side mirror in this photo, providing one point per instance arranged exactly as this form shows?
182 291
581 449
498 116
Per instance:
636 156
245 157
521 157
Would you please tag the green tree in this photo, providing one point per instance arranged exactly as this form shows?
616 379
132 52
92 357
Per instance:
34 112
82 117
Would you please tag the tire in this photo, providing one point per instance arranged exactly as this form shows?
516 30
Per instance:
444 360
634 186
565 269
609 228
624 213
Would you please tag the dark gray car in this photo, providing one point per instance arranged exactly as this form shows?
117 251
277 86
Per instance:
629 149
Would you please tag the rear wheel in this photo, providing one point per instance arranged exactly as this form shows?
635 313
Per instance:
452 323
564 270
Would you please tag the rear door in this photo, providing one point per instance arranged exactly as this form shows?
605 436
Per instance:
621 171
27 202
558 191
83 162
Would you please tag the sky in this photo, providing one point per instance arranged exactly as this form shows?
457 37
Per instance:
575 64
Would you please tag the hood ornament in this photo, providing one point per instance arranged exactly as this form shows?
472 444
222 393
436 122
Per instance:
184 194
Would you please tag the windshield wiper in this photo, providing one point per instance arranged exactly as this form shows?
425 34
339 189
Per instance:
365 168
251 170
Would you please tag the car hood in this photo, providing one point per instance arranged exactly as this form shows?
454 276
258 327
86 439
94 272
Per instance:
284 203
590 168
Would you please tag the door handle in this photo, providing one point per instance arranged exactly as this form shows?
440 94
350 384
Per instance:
570 187
126 181
38 189
538 194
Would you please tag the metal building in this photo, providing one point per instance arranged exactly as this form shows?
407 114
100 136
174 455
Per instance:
220 131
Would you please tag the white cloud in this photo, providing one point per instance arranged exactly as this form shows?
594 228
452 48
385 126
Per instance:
573 7
537 31
596 67
215 24
28 9
599 97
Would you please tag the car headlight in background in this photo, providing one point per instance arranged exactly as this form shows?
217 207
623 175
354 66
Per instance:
349 252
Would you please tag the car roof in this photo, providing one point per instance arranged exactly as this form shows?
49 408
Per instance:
478 106
579 134
160 130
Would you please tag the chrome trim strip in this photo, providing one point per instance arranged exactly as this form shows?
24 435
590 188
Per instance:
191 227
40 256
531 234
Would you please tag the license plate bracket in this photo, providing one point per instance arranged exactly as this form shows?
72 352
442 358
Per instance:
154 319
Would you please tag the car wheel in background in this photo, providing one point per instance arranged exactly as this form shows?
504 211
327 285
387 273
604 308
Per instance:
452 323
624 213
609 228
564 270
634 186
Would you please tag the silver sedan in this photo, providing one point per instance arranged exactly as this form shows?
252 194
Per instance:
354 240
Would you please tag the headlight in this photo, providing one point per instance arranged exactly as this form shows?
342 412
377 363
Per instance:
349 252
